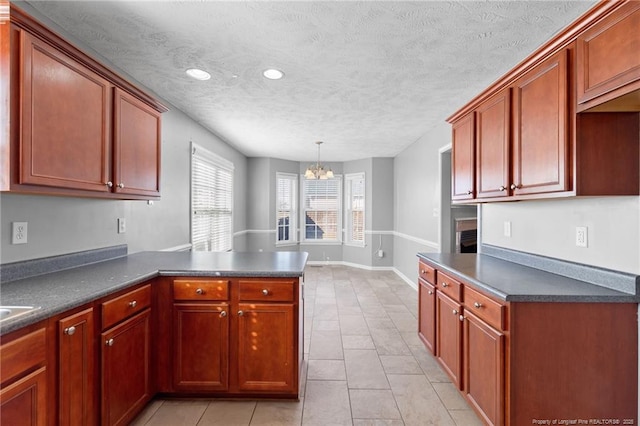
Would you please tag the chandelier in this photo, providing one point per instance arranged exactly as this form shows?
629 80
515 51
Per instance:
317 171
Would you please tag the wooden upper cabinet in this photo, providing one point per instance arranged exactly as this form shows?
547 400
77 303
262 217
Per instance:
608 61
65 115
136 140
540 130
463 158
76 128
492 146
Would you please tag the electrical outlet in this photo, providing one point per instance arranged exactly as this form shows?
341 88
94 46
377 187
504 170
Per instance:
19 233
582 236
381 253
122 225
507 229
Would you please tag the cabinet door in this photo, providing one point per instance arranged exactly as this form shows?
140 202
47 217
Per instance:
427 314
24 402
267 348
463 158
492 146
65 136
483 360
201 346
541 137
608 61
125 369
76 369
136 139
449 337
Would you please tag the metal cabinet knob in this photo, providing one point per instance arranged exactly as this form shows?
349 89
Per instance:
503 188
70 331
121 185
223 314
514 186
109 184
422 271
461 318
240 313
133 303
455 312
477 305
469 192
444 284
199 291
430 292
265 292
109 342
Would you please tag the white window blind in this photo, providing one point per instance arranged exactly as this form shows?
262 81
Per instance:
355 208
211 201
322 209
286 201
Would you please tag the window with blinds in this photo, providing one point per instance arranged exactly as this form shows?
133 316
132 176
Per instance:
286 201
211 201
321 205
354 208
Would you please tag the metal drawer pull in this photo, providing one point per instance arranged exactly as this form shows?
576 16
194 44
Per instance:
121 185
109 342
502 187
109 184
240 313
444 284
223 314
265 292
422 271
70 331
430 292
461 318
477 305
199 291
455 312
133 304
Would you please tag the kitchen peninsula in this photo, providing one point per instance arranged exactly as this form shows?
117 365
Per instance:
176 323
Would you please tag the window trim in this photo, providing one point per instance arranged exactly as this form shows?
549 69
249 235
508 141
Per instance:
221 163
339 213
348 240
293 227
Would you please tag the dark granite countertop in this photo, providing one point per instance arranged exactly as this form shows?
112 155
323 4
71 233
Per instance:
60 291
518 283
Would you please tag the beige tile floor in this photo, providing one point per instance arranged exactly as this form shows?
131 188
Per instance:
364 364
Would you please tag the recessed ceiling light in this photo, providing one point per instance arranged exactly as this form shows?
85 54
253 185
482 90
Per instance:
273 74
198 74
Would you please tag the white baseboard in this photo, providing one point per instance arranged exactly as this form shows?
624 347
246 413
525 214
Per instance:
404 278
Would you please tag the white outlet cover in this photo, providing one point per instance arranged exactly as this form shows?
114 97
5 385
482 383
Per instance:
507 229
19 233
582 236
122 225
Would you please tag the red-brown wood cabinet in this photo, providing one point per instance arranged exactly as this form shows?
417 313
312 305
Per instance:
76 127
531 138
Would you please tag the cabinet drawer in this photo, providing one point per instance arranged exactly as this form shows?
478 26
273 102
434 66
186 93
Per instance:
485 308
449 286
119 308
426 272
266 291
201 290
22 354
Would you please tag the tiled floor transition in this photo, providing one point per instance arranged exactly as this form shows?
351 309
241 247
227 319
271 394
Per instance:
364 364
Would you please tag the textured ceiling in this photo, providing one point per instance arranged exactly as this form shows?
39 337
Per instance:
367 78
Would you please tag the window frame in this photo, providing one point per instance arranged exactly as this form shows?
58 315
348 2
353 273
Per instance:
293 213
303 211
348 208
219 165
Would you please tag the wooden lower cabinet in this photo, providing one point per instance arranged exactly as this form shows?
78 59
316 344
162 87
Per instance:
427 315
449 337
76 366
483 368
24 374
266 350
517 362
24 402
201 346
125 369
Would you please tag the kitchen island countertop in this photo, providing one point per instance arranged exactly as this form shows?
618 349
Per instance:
60 291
